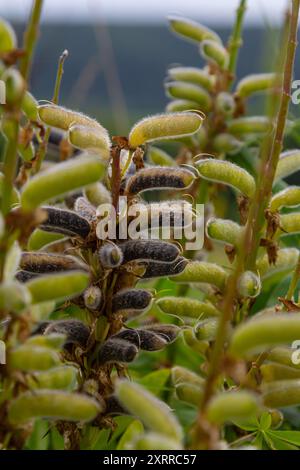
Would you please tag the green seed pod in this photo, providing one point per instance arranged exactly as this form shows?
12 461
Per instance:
57 286
262 333
54 341
192 75
249 125
185 307
8 39
155 441
190 340
62 118
191 30
92 298
286 261
41 311
255 83
14 85
206 329
227 173
155 414
249 285
281 393
97 194
290 223
277 418
215 52
159 178
181 375
29 107
39 262
225 103
283 355
159 157
189 393
116 350
226 231
61 179
168 331
202 271
289 163
59 378
131 299
41 239
30 358
158 269
164 126
230 406
190 92
110 256
226 143
288 197
176 106
153 250
143 339
76 331
272 372
90 138
14 296
57 405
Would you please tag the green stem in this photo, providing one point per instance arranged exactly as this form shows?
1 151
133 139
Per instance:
10 160
235 41
30 38
294 282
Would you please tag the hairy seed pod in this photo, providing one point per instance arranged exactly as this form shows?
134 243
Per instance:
256 83
159 178
225 103
92 297
230 406
41 239
30 358
97 194
288 197
192 75
164 126
185 307
110 256
281 393
29 107
56 405
290 223
249 125
181 375
178 213
62 118
155 441
167 331
176 106
117 350
39 262
226 231
272 372
131 299
190 340
154 413
65 222
154 250
202 271
14 86
159 157
85 209
143 339
215 52
227 173
249 285
158 269
59 378
206 330
189 393
262 333
41 311
54 341
190 92
226 143
286 261
8 39
14 296
90 138
289 163
191 30
284 356
61 179
76 331
24 276
57 286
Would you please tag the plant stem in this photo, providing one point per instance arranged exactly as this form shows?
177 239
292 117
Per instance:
30 38
294 282
10 159
235 41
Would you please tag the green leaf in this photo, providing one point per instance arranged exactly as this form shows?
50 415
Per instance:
265 421
279 444
134 430
293 437
155 381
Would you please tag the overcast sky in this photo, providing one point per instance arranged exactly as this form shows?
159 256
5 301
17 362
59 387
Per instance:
216 11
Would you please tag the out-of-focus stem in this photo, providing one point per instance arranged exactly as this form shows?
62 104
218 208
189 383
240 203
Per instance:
235 41
294 282
30 38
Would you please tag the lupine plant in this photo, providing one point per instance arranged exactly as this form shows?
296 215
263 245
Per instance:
138 343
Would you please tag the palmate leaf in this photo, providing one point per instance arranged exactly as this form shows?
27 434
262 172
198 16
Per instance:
156 381
291 437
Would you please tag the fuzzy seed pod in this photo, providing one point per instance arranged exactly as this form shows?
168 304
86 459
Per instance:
167 331
226 143
41 263
14 297
29 107
202 271
159 178
90 138
92 298
14 86
56 405
155 414
131 299
191 30
57 286
215 52
54 341
164 126
76 331
249 285
227 173
155 441
154 250
117 350
286 261
59 378
143 339
8 39
283 355
189 393
181 375
61 179
110 256
249 125
289 163
25 276
185 307
190 92
65 222
206 330
158 269
225 103
97 194
290 223
262 333
226 231
288 197
41 239
272 372
281 393
192 75
255 83
159 157
85 209
176 106
31 358
62 118
231 406
191 341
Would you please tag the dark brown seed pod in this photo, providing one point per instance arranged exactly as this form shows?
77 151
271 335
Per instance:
153 250
40 328
113 407
117 350
25 276
39 262
66 222
159 178
143 339
84 208
76 331
131 299
92 297
154 269
168 331
110 256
